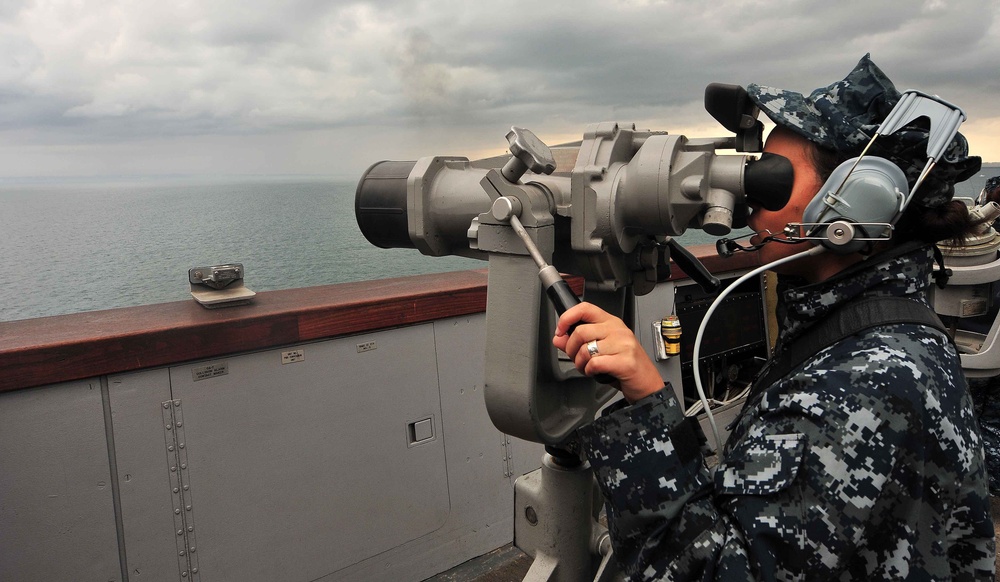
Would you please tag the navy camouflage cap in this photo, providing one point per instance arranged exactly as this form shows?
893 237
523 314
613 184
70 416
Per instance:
845 115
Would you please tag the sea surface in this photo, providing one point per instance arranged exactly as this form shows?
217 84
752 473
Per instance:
68 246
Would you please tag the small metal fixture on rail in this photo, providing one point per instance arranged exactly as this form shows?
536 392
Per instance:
219 286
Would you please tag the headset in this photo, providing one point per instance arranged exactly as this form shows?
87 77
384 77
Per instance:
864 197
858 204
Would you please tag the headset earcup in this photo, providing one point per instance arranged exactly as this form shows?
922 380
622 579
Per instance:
866 196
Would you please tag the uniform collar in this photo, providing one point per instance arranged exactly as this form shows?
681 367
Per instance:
903 270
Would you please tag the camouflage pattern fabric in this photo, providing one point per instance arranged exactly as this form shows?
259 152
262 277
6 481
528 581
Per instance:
986 402
845 115
865 463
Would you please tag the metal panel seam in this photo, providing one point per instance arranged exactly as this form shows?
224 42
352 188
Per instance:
109 434
441 409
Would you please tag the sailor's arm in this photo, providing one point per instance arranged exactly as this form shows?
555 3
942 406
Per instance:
659 494
773 508
648 462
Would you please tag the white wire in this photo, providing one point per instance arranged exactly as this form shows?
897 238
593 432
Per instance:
704 323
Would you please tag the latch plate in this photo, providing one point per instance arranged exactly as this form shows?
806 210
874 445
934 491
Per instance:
219 285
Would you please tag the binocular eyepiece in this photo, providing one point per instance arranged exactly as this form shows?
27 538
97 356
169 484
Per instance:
768 181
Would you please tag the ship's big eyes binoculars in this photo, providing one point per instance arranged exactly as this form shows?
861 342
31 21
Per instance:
609 197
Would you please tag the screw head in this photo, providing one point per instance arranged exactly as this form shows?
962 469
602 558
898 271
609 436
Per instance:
530 515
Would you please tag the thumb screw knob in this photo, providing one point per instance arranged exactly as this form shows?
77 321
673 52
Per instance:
529 153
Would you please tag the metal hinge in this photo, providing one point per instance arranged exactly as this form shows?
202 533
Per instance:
180 491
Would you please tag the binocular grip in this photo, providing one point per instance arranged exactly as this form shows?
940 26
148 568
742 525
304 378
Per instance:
563 298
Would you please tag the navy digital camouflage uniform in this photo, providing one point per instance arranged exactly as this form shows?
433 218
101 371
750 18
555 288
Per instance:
864 463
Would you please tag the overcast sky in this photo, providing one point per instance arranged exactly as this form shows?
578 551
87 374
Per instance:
136 87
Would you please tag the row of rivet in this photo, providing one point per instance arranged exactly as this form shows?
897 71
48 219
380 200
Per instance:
187 562
507 456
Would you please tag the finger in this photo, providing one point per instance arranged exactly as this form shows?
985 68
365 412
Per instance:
576 345
608 360
608 337
572 316
581 314
586 353
607 350
567 334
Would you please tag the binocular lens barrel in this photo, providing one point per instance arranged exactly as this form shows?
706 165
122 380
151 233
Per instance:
380 204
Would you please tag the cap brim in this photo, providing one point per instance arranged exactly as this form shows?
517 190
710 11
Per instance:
791 110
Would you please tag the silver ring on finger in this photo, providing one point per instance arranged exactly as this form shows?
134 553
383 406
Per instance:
592 348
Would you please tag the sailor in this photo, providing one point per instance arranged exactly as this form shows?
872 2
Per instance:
864 462
986 391
991 191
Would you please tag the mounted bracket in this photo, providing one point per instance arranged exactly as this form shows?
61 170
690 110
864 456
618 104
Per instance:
219 286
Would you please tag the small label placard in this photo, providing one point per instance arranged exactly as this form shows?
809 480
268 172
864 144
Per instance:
210 371
974 307
367 347
292 356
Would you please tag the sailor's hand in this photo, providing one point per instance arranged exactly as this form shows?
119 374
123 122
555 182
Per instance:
618 351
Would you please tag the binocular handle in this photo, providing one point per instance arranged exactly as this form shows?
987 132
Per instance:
563 298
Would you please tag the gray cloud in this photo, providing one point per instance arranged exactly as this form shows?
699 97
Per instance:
406 77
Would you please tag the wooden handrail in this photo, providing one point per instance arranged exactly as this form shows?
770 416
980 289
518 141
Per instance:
48 350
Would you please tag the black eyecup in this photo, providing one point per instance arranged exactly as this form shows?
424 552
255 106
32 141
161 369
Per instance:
768 181
731 106
380 205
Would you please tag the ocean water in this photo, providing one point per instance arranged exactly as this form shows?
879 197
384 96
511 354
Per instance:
72 246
